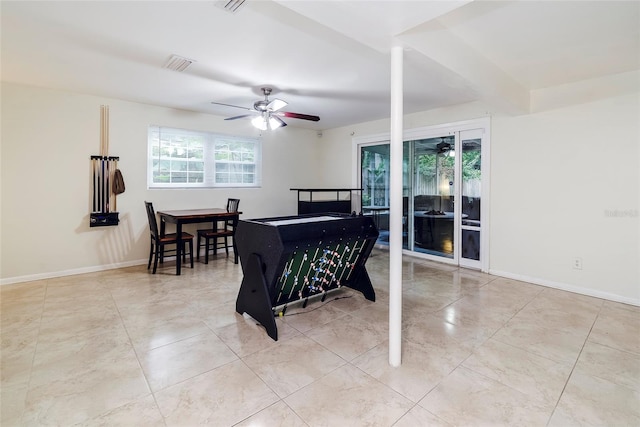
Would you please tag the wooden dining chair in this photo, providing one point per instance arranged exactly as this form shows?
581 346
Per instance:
158 241
224 232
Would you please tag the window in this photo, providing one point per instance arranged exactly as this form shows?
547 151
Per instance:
185 158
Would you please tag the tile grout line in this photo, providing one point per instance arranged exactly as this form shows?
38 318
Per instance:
35 350
135 352
575 364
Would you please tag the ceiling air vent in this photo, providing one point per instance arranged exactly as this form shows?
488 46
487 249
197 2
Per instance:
230 5
178 63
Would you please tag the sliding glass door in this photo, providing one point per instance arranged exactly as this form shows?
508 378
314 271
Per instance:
433 194
470 218
374 168
374 181
442 193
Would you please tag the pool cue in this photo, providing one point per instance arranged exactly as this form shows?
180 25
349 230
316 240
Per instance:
101 162
103 134
107 159
97 185
115 196
93 181
108 192
102 209
101 130
106 130
96 173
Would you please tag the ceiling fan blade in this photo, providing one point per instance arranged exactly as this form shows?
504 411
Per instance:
234 106
239 117
279 120
276 104
298 116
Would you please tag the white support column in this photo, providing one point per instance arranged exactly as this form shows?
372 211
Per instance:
395 210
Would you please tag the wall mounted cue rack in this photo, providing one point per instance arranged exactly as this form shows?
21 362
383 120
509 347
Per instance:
102 171
103 167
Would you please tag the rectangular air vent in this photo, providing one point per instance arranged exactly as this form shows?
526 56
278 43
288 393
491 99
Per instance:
230 5
178 63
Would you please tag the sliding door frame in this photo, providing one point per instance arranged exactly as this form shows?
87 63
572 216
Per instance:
435 131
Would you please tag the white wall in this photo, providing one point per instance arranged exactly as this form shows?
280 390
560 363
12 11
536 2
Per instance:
565 184
47 138
558 177
558 180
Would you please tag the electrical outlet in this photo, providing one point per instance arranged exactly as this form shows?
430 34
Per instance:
577 263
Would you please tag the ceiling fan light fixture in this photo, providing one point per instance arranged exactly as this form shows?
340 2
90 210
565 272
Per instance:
267 114
266 121
260 105
260 122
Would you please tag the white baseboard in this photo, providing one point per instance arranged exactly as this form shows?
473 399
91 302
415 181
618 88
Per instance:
566 287
54 274
51 275
505 274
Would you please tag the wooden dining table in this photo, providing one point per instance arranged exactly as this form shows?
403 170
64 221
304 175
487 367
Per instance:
190 216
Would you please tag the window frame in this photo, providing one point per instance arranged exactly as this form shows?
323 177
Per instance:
245 154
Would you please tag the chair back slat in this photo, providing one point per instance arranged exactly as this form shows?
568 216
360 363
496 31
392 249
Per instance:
232 205
153 223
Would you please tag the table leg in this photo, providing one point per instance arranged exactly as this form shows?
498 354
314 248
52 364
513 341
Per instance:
162 231
178 248
215 239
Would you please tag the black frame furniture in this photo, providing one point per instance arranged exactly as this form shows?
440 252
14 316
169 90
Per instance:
159 240
288 259
190 216
336 204
225 232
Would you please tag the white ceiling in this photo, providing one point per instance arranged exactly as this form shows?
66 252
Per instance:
326 58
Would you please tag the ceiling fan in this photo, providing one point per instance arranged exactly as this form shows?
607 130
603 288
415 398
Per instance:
445 146
267 113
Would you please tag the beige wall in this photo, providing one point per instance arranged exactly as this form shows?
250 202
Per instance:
558 178
47 138
565 184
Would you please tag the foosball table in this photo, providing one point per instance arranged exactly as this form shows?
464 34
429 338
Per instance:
290 259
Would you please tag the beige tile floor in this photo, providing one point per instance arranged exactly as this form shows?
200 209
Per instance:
127 348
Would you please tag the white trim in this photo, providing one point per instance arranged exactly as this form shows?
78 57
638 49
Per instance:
432 131
565 287
436 130
483 264
84 270
434 258
528 279
485 212
536 281
356 144
370 139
